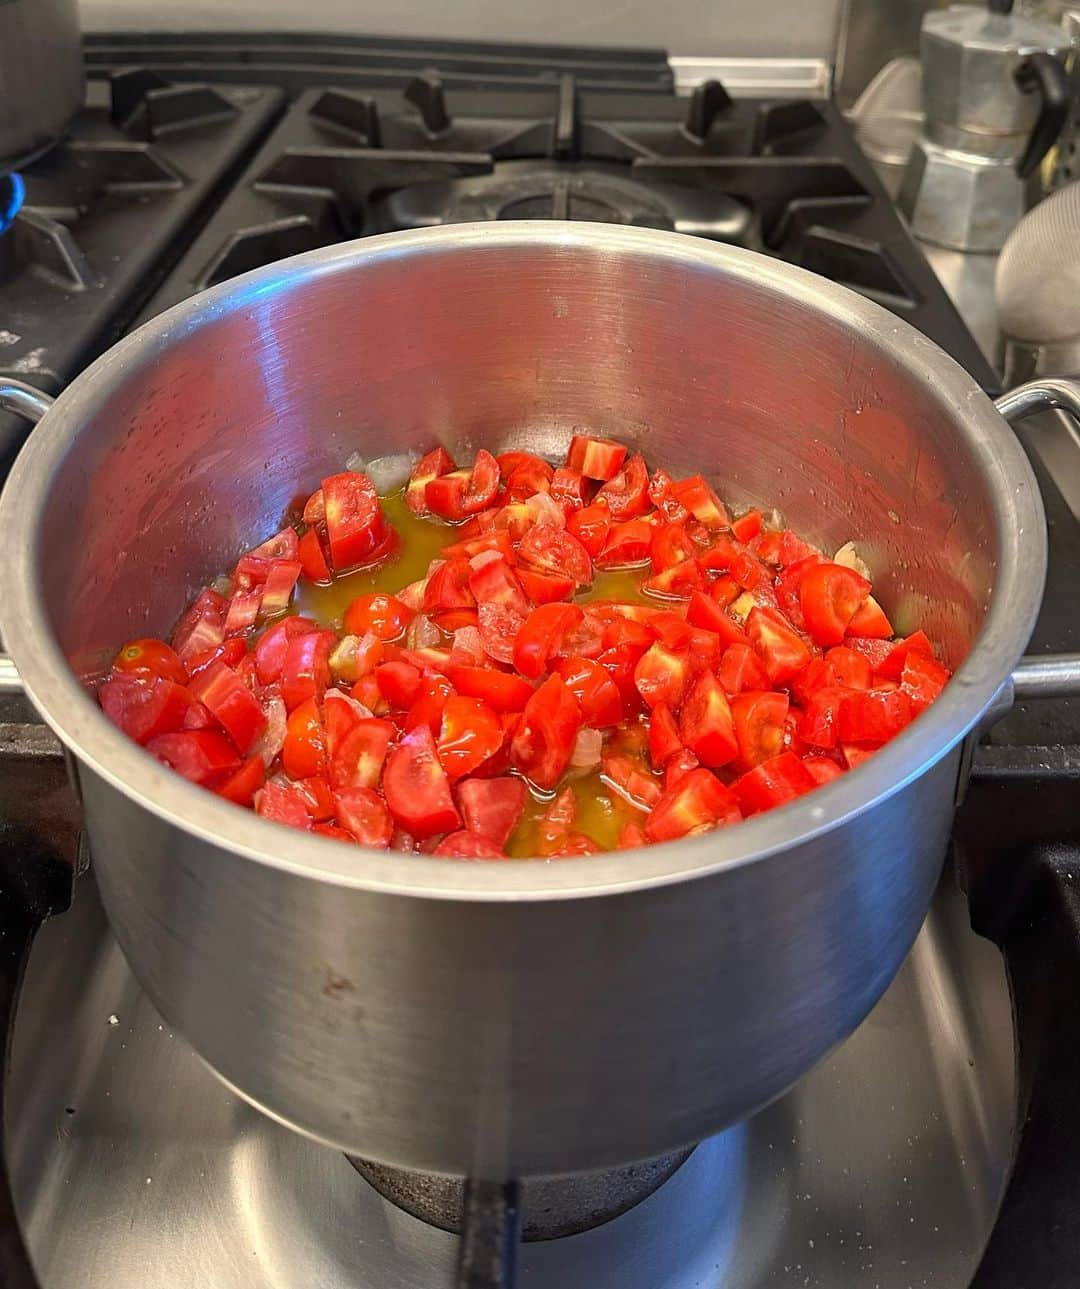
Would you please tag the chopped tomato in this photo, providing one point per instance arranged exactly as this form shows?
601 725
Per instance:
231 703
891 666
460 493
773 783
273 645
590 526
313 561
499 689
759 717
284 804
822 769
662 496
706 613
569 489
545 738
470 734
202 628
849 667
783 653
144 707
363 814
922 680
595 458
304 751
355 526
554 550
317 797
383 615
874 651
747 526
416 787
830 595
546 588
499 627
680 581
870 621
149 657
435 463
664 740
202 756
631 779
670 545
741 669
495 582
241 786
278 588
492 807
817 720
701 501
448 587
427 708
305 669
542 635
660 675
468 845
873 716
600 700
706 725
626 493
626 544
696 802
357 762
399 683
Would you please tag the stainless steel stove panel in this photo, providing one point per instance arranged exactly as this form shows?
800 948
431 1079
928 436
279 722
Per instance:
884 1167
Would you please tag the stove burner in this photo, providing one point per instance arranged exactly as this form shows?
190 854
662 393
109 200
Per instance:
552 1206
12 192
542 189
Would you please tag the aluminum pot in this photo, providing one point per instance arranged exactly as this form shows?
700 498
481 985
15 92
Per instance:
519 1017
41 76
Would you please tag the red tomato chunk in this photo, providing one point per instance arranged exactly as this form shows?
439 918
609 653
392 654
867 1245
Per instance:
499 700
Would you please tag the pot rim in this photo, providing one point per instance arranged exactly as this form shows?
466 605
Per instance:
82 727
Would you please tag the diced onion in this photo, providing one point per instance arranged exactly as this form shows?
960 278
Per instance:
587 747
742 606
849 557
421 632
386 473
545 510
272 739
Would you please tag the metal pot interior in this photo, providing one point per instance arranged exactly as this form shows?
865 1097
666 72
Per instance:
187 442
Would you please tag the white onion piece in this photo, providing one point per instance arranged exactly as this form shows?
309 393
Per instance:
546 510
412 596
272 739
386 473
849 557
484 557
587 747
468 648
421 632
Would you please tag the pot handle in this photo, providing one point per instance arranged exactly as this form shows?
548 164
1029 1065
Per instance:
23 400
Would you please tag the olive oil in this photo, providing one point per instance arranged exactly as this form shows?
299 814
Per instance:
602 812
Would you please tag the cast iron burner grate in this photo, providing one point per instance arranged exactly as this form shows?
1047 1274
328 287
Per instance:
107 211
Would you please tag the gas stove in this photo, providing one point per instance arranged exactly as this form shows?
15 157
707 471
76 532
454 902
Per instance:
932 1146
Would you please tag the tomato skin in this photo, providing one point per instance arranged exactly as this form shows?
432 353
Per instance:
232 704
830 595
529 476
922 680
241 786
747 526
626 493
822 769
470 734
849 668
664 740
313 562
740 669
437 462
706 724
595 458
497 583
891 666
701 501
144 707
781 651
599 697
569 489
873 650
759 717
543 741
357 762
364 816
150 657
304 751
873 716
773 783
202 756
870 622
546 588
416 787
669 546
273 644
305 668
695 801
591 526
501 690
817 720
355 525
541 635
662 496
399 683
383 615
466 844
554 550
460 493
492 807
427 708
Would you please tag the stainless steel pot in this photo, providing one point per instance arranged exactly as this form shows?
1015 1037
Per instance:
520 1017
41 76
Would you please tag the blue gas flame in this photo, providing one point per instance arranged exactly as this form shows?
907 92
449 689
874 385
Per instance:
12 194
